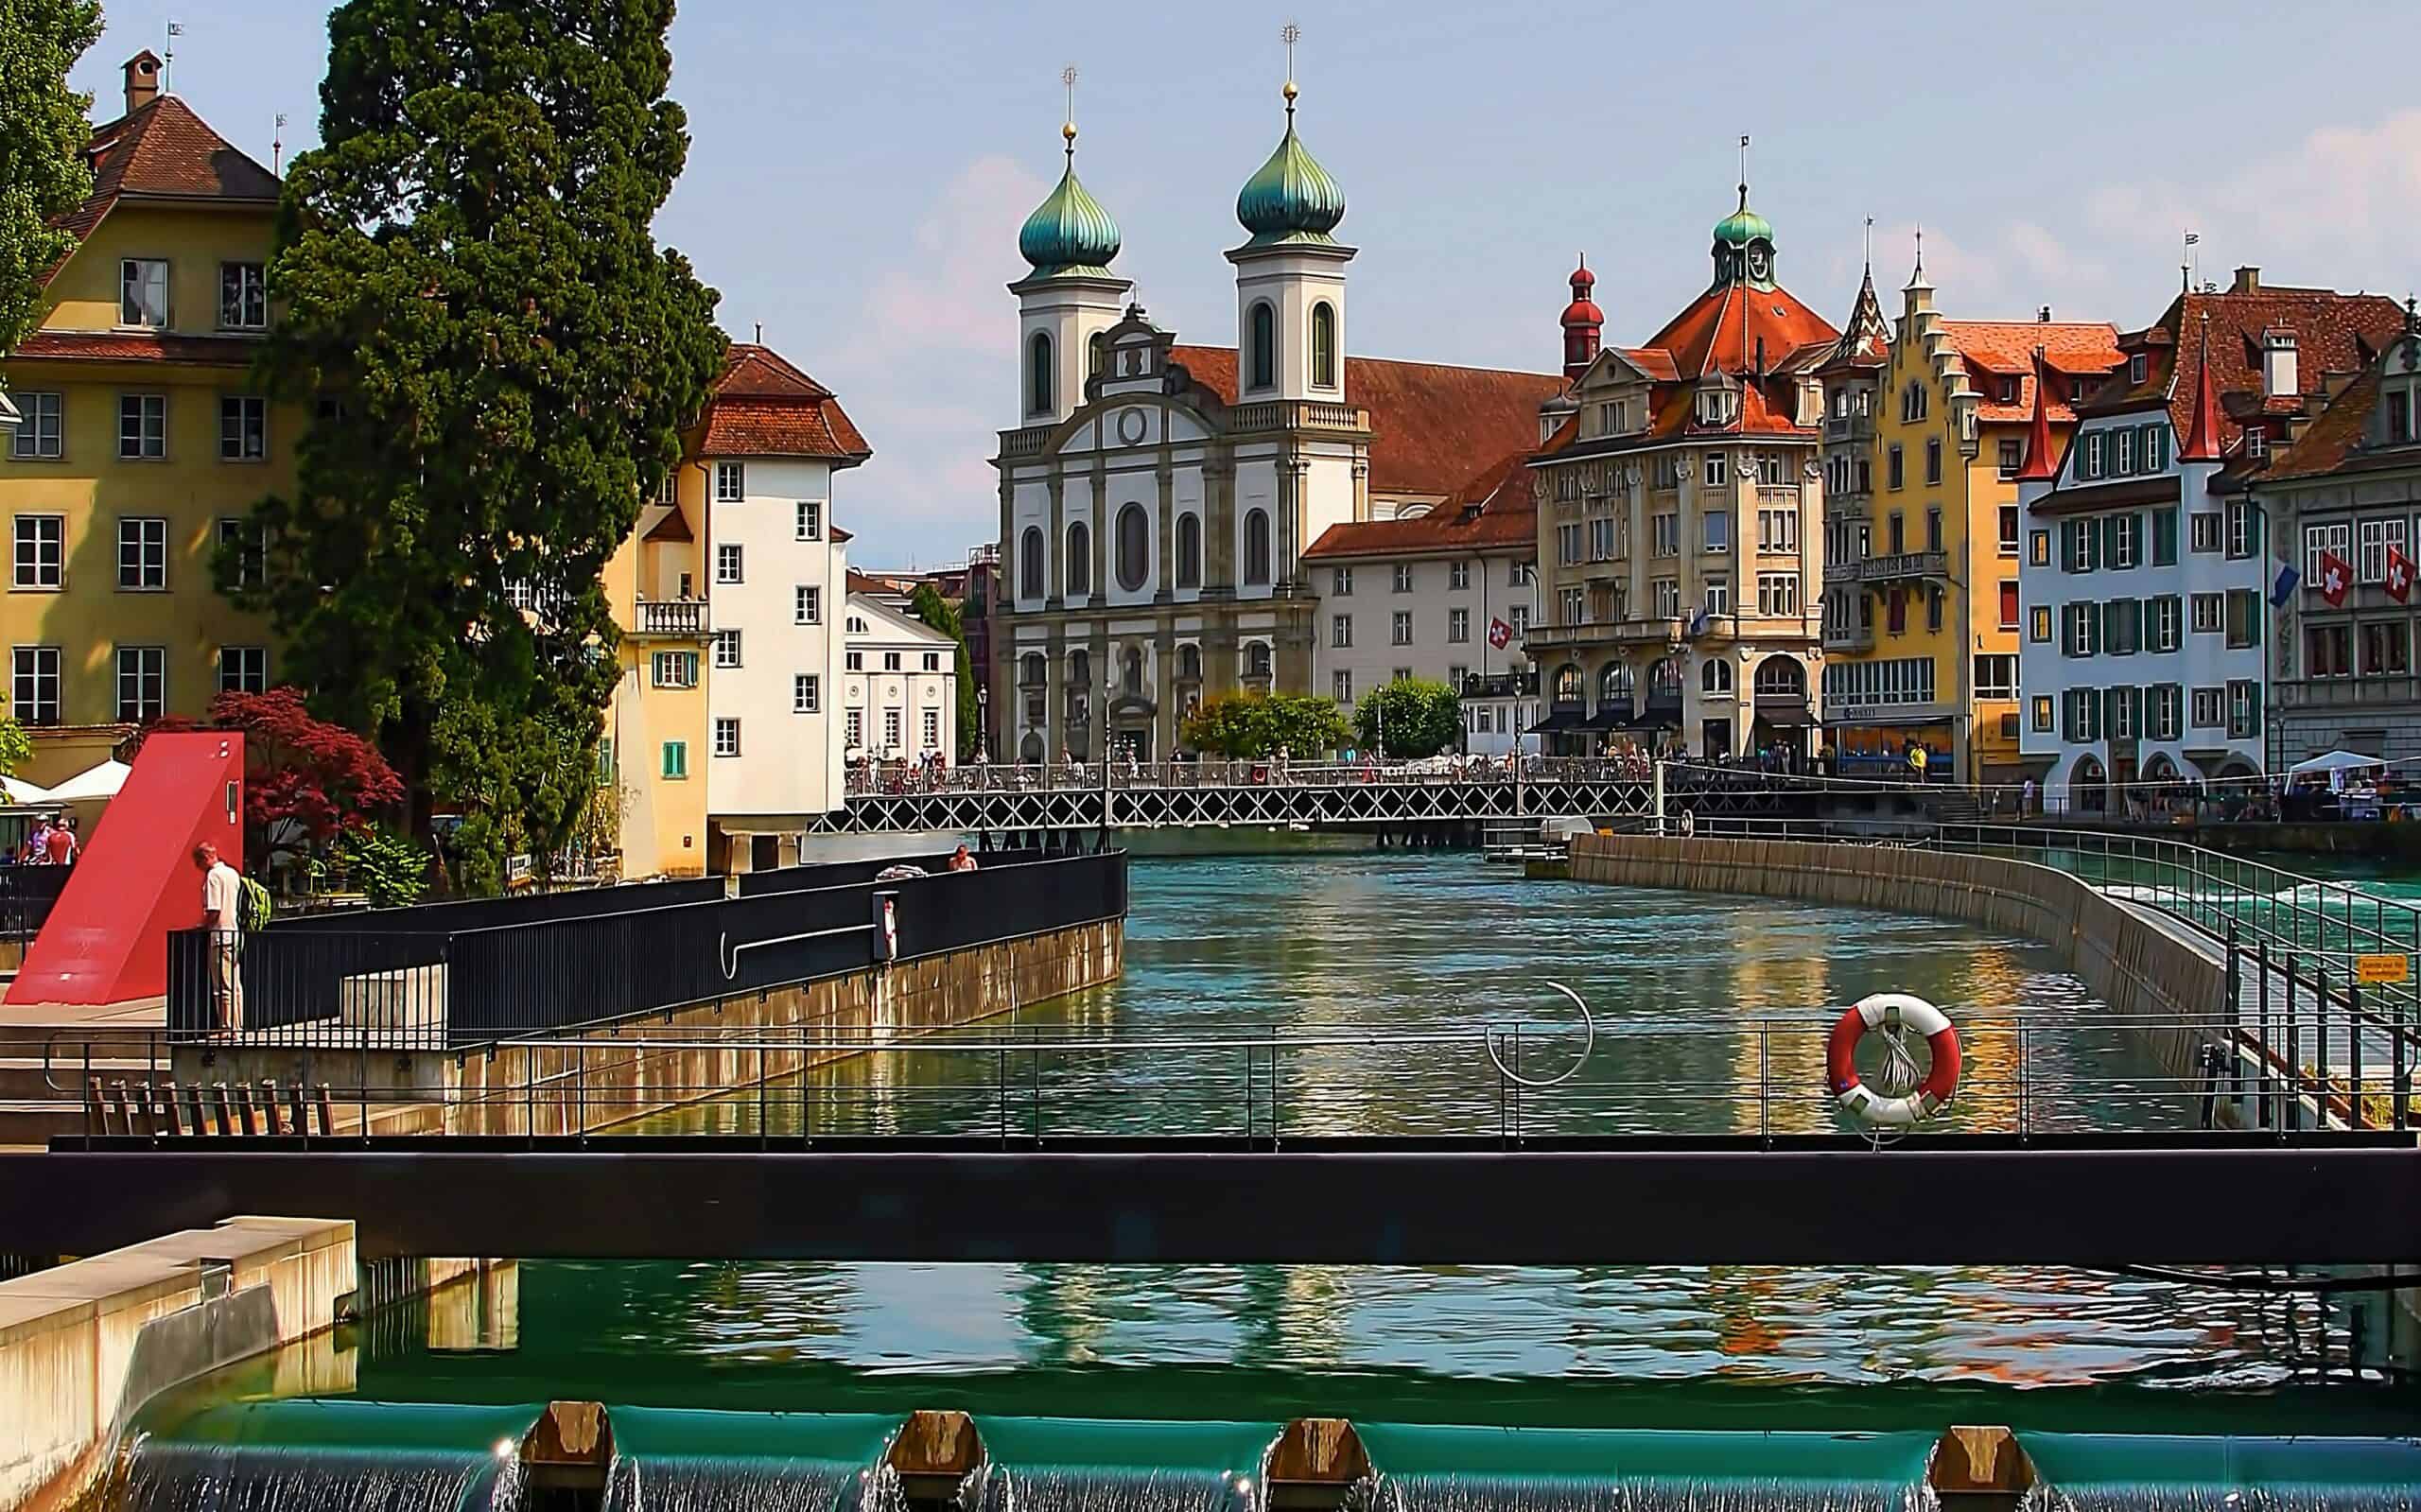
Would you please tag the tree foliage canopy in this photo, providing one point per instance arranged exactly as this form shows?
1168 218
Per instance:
307 780
43 131
466 274
1250 725
1418 718
928 604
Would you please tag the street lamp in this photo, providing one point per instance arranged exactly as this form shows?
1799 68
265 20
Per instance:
983 717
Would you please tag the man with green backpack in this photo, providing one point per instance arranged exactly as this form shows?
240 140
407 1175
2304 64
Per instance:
231 904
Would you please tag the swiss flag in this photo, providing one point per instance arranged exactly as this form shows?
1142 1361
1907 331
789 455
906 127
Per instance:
1500 635
2399 573
2336 575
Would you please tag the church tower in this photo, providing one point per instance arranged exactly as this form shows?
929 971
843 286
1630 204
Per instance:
1584 325
1070 297
1290 276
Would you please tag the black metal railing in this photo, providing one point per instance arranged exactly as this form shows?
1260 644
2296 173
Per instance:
27 894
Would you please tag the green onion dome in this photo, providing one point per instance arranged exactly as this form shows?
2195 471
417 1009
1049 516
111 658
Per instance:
1292 198
1743 225
1070 232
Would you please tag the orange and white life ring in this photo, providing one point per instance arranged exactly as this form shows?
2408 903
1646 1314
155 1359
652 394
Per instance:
1900 1010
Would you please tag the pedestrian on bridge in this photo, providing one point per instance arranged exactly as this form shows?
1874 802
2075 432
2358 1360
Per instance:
223 898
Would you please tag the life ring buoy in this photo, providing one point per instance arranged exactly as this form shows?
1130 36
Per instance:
1876 1011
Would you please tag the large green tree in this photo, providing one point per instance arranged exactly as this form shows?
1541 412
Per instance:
1250 725
501 357
928 604
1418 717
43 132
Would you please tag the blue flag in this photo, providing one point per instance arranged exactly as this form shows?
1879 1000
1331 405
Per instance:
2283 587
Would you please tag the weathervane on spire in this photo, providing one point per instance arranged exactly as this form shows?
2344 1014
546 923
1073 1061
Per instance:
1290 34
1068 129
1921 250
1744 171
1869 244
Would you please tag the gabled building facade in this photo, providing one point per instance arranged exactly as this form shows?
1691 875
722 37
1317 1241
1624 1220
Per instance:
1679 502
2149 573
1923 603
2348 488
899 680
141 442
1157 500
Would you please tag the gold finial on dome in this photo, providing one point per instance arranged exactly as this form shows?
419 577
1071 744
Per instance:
1290 34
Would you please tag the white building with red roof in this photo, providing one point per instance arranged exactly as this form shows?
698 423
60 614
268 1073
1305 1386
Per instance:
1678 505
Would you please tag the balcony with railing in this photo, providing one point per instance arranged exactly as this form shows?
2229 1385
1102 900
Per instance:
1502 684
1610 632
2370 690
674 619
1849 637
1849 427
1905 566
1026 443
1296 415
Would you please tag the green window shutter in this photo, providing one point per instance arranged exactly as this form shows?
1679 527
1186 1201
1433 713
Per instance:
2069 717
2110 620
2164 538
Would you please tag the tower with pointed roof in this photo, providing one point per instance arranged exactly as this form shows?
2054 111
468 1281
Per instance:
1069 296
1583 323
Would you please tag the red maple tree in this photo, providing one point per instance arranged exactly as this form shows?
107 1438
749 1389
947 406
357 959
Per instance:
305 780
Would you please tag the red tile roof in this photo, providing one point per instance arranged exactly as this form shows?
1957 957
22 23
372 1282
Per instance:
139 346
763 406
1722 327
1428 420
1491 512
161 150
1998 349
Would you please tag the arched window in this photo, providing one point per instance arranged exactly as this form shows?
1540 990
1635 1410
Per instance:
1614 681
1264 346
1079 577
1134 547
1716 676
1567 684
1031 670
1781 677
1097 353
1665 680
1257 546
1037 374
1189 663
1256 659
1324 345
1030 563
1188 551
1131 677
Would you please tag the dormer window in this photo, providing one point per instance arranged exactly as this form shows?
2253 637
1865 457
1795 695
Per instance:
2137 366
2008 391
2256 441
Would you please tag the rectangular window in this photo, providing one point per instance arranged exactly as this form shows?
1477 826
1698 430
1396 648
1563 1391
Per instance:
677 668
142 427
676 759
2093 448
1933 529
932 661
2126 543
2203 530
1996 676
2039 625
2209 708
243 297
2334 539
243 429
1717 530
243 668
2210 612
2009 604
1342 581
1459 576
727 562
2079 544
2328 651
891 661
142 554
2008 530
2080 715
890 729
33 693
2038 548
727 648
2123 709
1400 629
2011 456
1777 593
1404 577
1341 687
810 526
239 561
1665 538
2041 714
1718 470
2081 629
1894 468
1667 593
854 661
2123 453
1933 460
142 682
2164 623
1719 596
1778 530
2122 624
853 728
40 435
2244 530
1573 604
2386 647
2154 450
2165 538
731 482
2163 711
2376 536
1340 630
142 292
2244 709
40 543
932 729
1459 625
2244 618
807 604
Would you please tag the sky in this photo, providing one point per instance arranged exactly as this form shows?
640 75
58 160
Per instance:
859 171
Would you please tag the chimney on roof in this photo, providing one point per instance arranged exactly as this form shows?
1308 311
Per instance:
2247 281
2278 378
142 80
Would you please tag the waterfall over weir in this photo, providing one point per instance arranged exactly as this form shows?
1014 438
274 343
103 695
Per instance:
252 1478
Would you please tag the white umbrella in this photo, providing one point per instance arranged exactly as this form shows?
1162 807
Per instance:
97 782
2335 762
17 791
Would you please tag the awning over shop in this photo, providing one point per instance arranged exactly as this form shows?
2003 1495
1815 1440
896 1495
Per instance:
1657 718
1787 717
1561 719
1609 717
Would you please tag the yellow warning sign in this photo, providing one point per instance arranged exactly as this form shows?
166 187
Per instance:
2377 969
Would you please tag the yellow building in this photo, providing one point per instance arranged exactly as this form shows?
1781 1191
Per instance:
1922 613
141 443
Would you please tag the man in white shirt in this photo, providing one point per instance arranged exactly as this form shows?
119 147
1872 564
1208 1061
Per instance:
223 898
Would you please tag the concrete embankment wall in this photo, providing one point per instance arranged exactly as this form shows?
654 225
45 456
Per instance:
2139 970
84 1345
